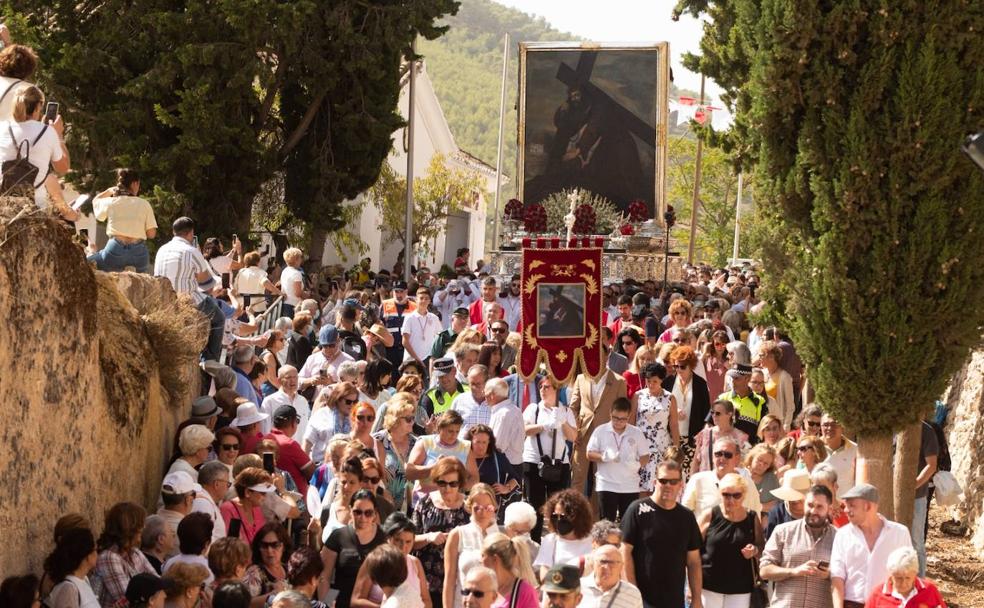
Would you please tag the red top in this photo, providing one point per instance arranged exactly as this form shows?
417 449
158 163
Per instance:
927 596
291 458
230 511
475 311
633 383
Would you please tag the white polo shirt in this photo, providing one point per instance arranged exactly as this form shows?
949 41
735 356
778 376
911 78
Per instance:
272 402
843 462
623 595
621 476
422 330
863 570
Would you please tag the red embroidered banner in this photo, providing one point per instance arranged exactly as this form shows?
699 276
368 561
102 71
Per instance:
561 312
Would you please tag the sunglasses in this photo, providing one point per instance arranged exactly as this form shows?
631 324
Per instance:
723 454
732 495
350 401
804 448
473 592
558 517
274 545
407 419
500 330
229 447
365 417
716 414
669 482
443 483
812 424
363 512
681 366
629 343
372 480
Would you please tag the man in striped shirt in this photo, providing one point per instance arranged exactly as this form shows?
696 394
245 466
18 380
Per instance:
185 267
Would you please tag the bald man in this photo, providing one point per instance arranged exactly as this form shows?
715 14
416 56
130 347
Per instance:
604 588
287 395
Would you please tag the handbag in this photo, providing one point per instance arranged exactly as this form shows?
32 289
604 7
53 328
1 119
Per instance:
552 471
19 175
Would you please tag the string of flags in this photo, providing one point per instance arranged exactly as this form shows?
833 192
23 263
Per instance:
690 108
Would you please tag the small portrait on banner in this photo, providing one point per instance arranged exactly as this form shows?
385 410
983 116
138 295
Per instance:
560 310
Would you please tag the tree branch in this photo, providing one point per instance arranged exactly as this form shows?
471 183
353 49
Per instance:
298 134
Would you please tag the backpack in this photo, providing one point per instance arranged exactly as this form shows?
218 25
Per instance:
19 175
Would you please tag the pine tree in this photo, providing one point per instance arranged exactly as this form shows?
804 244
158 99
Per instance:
852 113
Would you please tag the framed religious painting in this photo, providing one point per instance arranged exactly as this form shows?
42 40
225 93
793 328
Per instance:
593 116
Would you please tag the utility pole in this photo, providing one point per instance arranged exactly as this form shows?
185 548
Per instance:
734 252
502 126
408 244
696 201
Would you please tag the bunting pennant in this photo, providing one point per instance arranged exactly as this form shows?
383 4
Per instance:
561 308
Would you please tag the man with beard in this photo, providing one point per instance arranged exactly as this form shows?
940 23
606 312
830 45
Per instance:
512 303
797 556
476 309
661 543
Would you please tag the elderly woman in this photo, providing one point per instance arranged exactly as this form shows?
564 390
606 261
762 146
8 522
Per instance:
732 537
681 315
568 517
194 443
228 559
435 515
431 448
811 451
494 468
187 582
119 551
723 415
904 587
761 463
329 417
252 485
228 441
824 474
770 432
778 382
393 445
692 399
347 547
268 573
463 548
68 566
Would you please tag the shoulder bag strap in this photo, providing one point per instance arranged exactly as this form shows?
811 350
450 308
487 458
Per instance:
710 446
13 139
9 89
514 596
536 419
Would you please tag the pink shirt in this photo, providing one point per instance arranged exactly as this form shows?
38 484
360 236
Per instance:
526 597
230 511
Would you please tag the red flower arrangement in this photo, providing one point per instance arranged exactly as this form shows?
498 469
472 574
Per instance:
638 212
627 230
535 218
513 209
584 219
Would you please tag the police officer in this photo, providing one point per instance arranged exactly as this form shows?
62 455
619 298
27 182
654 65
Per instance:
438 400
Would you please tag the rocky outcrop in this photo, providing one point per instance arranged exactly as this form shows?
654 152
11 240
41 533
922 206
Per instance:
87 422
965 436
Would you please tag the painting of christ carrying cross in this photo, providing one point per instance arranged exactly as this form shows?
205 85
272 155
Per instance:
593 117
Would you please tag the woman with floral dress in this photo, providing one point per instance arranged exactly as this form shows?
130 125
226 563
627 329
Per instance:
656 417
434 516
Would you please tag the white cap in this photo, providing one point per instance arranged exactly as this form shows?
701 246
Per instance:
177 482
263 487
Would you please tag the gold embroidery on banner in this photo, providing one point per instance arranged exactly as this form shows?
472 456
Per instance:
592 336
562 356
590 284
528 334
531 282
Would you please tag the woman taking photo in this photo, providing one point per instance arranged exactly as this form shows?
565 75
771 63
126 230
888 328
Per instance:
252 485
494 468
692 400
435 515
393 444
569 518
119 551
716 362
268 573
509 559
732 539
723 415
656 417
129 223
463 548
549 426
378 376
347 547
400 534
252 282
69 566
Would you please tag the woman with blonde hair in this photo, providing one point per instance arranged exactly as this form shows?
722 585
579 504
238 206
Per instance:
811 451
467 336
187 581
292 281
761 463
509 559
644 355
463 549
733 537
778 382
393 444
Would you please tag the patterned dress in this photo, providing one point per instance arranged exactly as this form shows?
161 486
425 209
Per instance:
395 465
428 517
653 419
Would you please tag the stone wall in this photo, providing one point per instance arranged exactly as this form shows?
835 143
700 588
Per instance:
87 422
965 436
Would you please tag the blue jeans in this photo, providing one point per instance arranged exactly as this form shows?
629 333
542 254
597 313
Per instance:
216 320
919 532
116 256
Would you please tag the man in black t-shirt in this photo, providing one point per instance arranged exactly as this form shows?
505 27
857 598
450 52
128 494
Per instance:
661 544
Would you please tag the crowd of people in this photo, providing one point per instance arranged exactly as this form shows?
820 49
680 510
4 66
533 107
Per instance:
377 447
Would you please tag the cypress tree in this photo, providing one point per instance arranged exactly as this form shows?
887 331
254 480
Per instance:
851 113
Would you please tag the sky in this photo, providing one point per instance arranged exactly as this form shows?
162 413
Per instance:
625 21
